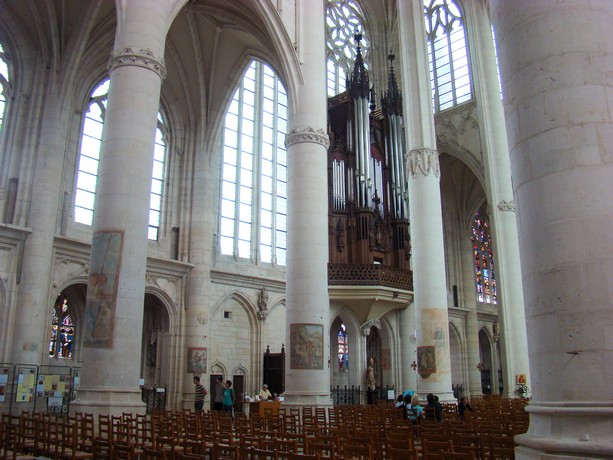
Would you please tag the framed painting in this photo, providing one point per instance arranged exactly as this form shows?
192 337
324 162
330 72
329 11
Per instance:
196 360
426 360
306 346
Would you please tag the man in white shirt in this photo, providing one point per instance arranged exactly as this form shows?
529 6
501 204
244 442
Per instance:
264 393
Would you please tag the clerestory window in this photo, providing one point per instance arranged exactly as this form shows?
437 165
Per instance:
253 217
344 19
447 54
89 157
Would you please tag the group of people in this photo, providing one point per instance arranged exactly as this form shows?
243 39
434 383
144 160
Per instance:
413 411
224 395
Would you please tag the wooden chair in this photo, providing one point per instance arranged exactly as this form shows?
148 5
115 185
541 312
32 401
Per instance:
224 452
501 447
300 456
358 451
69 442
429 448
400 453
447 455
101 448
121 451
152 454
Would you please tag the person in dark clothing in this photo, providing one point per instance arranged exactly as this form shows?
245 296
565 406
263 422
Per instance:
434 406
463 406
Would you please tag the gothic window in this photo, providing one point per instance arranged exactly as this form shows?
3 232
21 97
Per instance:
61 341
483 259
447 54
87 175
343 348
4 85
253 217
344 20
497 65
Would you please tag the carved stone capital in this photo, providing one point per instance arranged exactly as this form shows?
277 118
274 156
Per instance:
368 324
141 58
423 161
506 205
307 134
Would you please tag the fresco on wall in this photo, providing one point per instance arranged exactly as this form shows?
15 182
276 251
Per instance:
102 288
306 346
196 360
426 360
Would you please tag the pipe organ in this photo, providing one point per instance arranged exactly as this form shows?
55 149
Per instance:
369 237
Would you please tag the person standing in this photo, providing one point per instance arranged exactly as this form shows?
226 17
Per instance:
218 401
228 397
200 394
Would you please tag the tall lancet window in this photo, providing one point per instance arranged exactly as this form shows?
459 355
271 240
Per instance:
344 19
343 348
483 258
447 54
4 85
253 221
89 158
61 341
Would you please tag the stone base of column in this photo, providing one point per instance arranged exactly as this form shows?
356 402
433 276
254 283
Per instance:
300 399
108 401
567 429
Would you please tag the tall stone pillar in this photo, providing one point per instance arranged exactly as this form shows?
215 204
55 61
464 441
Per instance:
307 378
497 168
469 301
116 286
556 62
33 314
423 168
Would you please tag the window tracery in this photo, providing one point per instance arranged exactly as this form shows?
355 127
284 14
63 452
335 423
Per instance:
447 54
343 20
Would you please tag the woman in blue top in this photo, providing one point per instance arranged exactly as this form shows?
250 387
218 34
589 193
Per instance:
228 397
414 410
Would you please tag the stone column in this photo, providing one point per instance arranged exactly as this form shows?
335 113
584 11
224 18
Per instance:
469 302
497 168
556 62
423 169
408 339
307 378
116 287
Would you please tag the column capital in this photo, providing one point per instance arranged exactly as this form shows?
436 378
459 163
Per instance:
506 205
128 56
423 160
307 134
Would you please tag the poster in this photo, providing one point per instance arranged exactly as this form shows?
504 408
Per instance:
26 382
4 379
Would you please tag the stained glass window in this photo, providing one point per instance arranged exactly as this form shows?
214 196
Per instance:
343 20
61 341
253 217
484 260
447 54
87 175
343 348
4 84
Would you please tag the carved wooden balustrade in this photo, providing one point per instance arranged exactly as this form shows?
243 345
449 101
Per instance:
369 275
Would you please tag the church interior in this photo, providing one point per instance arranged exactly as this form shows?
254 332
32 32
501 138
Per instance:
165 166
